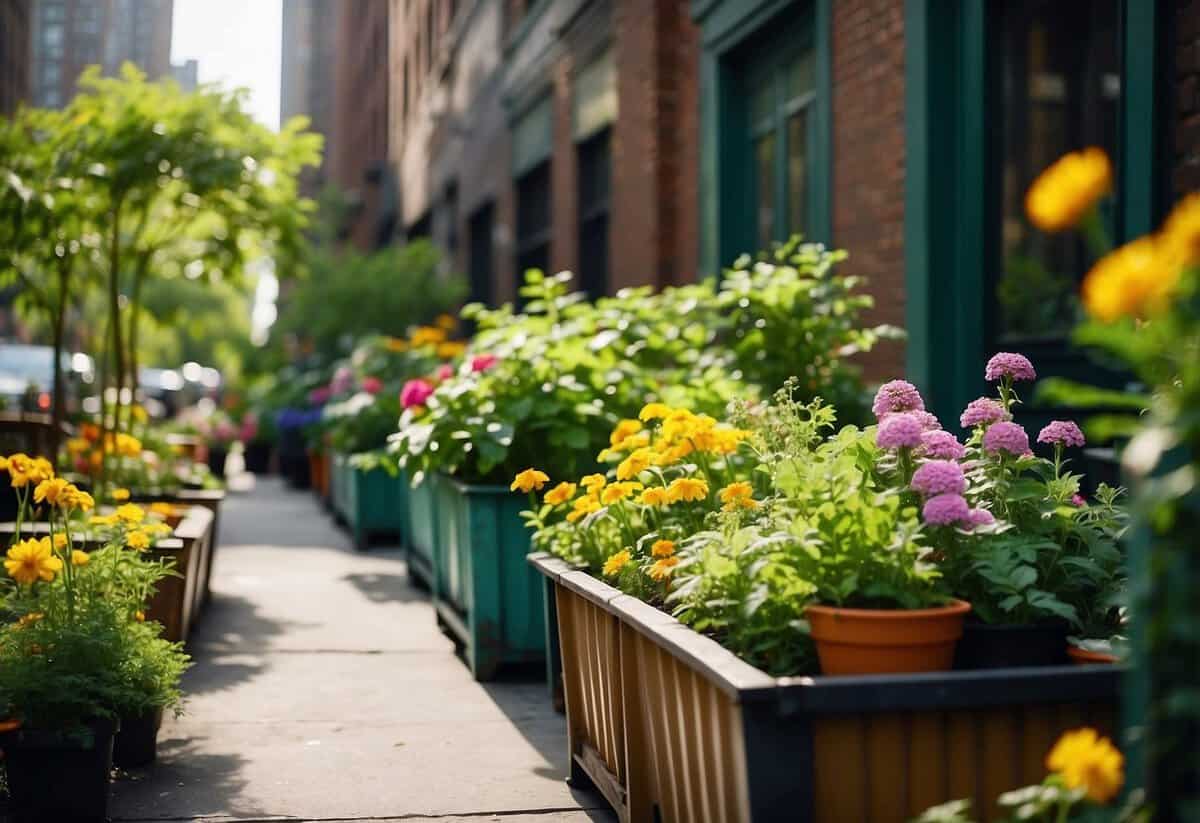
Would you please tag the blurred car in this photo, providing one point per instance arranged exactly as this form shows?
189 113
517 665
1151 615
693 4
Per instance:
27 377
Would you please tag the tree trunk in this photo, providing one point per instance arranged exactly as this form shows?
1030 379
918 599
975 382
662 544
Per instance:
135 315
58 410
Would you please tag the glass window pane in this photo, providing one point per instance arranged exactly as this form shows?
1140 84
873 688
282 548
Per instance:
764 196
1060 87
762 104
797 171
799 76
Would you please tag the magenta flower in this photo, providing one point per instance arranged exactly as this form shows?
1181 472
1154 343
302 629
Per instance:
1061 433
983 412
980 517
939 477
372 385
483 362
319 396
343 379
1078 500
941 445
928 421
946 510
444 372
896 396
1010 365
1006 436
899 431
415 393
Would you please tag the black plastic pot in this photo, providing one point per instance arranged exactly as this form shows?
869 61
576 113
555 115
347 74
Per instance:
55 777
985 646
217 456
137 742
258 457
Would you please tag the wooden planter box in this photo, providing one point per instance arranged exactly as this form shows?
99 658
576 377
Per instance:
670 726
210 499
319 470
487 598
369 502
422 509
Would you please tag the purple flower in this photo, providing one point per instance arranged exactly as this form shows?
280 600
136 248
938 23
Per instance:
946 510
983 412
1078 500
899 431
896 396
1008 364
941 445
939 477
980 517
1061 432
1006 436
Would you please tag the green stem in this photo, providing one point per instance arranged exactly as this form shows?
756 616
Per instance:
1094 234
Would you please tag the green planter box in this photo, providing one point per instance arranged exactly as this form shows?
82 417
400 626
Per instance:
486 595
422 530
339 468
370 503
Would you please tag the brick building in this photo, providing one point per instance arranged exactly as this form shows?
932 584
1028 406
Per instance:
14 54
70 35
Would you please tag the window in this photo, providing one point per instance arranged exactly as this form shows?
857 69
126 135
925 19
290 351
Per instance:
780 87
533 221
480 228
52 40
1057 81
595 173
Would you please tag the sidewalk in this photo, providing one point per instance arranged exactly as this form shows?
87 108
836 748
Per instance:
323 691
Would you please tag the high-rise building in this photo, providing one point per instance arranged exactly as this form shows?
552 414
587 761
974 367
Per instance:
14 54
70 35
307 76
186 74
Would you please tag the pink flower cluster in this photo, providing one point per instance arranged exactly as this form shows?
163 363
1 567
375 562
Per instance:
1010 365
901 430
1061 432
939 477
415 393
941 445
1006 436
896 396
946 510
983 412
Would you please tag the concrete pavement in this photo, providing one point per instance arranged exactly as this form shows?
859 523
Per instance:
323 691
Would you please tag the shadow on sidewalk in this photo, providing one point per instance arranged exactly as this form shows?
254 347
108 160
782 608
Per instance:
386 588
204 783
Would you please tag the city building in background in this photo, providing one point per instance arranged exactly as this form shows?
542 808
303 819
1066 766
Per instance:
70 35
309 57
14 54
186 74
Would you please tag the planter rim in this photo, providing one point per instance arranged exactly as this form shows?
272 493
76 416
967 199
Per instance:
476 488
956 606
825 694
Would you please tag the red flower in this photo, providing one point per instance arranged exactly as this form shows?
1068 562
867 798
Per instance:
445 372
483 362
372 385
415 393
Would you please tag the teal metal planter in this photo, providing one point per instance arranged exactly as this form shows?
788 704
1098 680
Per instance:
422 530
339 467
487 597
370 502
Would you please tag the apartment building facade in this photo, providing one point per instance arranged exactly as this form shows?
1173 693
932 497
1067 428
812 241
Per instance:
307 76
14 54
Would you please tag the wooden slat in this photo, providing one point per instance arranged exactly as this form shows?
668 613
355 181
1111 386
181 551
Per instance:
839 762
887 766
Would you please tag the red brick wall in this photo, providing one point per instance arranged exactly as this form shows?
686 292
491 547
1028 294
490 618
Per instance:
1185 176
868 158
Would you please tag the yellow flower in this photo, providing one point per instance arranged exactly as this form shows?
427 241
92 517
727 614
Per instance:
78 445
725 441
686 488
636 463
139 414
654 411
1087 761
426 336
560 494
395 344
120 495
130 514
583 507
27 619
128 446
31 560
617 562
593 482
3 463
450 349
1133 280
446 322
156 528
661 569
618 491
50 491
1181 231
1068 189
40 470
162 509
654 496
529 480
60 541
738 495
622 430
662 548
137 540
139 616
79 558
19 466
102 520
73 498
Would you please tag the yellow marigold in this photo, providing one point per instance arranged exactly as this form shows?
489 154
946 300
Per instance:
60 540
40 469
450 349
162 509
156 528
395 344
446 322
661 569
31 560
529 480
632 442
137 540
139 414
102 520
1133 280
1181 231
662 548
128 446
618 491
1085 760
50 491
623 430
654 411
636 463
427 335
654 496
76 499
139 616
560 494
1068 189
593 482
120 495
79 558
130 514
78 445
614 564
3 463
687 488
726 441
583 507
738 495
19 466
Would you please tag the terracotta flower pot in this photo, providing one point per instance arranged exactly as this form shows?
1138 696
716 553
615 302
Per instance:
1086 657
881 641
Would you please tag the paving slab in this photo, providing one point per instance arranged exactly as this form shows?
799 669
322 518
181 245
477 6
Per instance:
322 690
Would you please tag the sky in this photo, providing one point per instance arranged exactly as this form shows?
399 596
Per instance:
237 43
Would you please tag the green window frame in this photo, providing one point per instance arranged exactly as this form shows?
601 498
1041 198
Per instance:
748 46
